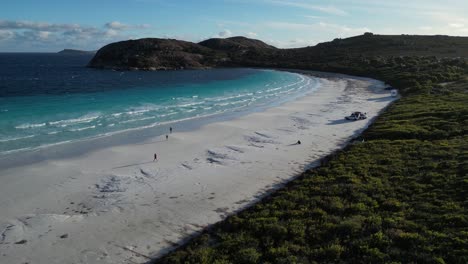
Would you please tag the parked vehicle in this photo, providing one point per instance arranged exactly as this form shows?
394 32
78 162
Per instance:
356 116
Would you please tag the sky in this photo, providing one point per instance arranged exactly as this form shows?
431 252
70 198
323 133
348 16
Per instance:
52 25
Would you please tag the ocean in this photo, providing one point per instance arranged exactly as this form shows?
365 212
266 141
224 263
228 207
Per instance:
52 99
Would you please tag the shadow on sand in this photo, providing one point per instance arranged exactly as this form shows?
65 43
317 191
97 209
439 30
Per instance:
337 122
130 165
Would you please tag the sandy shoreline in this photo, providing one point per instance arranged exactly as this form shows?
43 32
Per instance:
115 205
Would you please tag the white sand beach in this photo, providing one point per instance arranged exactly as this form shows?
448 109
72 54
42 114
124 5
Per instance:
115 205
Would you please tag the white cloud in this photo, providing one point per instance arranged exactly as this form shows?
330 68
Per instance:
456 25
251 34
43 35
116 25
445 16
111 33
447 23
31 35
329 9
226 33
5 34
344 29
29 25
451 19
338 30
313 17
310 33
292 43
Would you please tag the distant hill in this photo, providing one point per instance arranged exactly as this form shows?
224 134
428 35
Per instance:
74 52
235 44
371 45
154 54
399 45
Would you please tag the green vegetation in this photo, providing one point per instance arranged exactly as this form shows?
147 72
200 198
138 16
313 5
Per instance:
410 74
397 197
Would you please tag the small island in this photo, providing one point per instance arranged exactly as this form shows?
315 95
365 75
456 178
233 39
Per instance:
76 52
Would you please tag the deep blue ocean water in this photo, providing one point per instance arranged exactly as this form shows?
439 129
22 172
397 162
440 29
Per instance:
49 99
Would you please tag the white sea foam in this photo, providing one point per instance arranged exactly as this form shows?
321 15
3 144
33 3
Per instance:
223 104
274 89
27 125
82 128
138 119
15 138
84 119
168 114
218 99
137 112
241 101
191 104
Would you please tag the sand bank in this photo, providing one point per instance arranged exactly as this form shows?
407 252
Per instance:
115 205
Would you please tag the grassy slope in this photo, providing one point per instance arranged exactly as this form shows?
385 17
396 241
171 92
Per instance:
394 198
399 197
356 49
392 45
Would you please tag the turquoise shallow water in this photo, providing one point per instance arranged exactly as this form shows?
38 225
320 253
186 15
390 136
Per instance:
35 120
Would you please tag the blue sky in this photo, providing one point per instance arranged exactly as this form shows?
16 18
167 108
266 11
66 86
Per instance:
50 25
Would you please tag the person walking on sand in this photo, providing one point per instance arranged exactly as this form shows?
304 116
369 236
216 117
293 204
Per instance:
167 137
155 156
170 130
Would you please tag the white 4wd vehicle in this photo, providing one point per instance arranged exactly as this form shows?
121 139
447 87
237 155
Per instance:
357 116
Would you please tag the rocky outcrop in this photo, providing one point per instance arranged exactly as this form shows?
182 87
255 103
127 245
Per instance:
154 54
171 54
